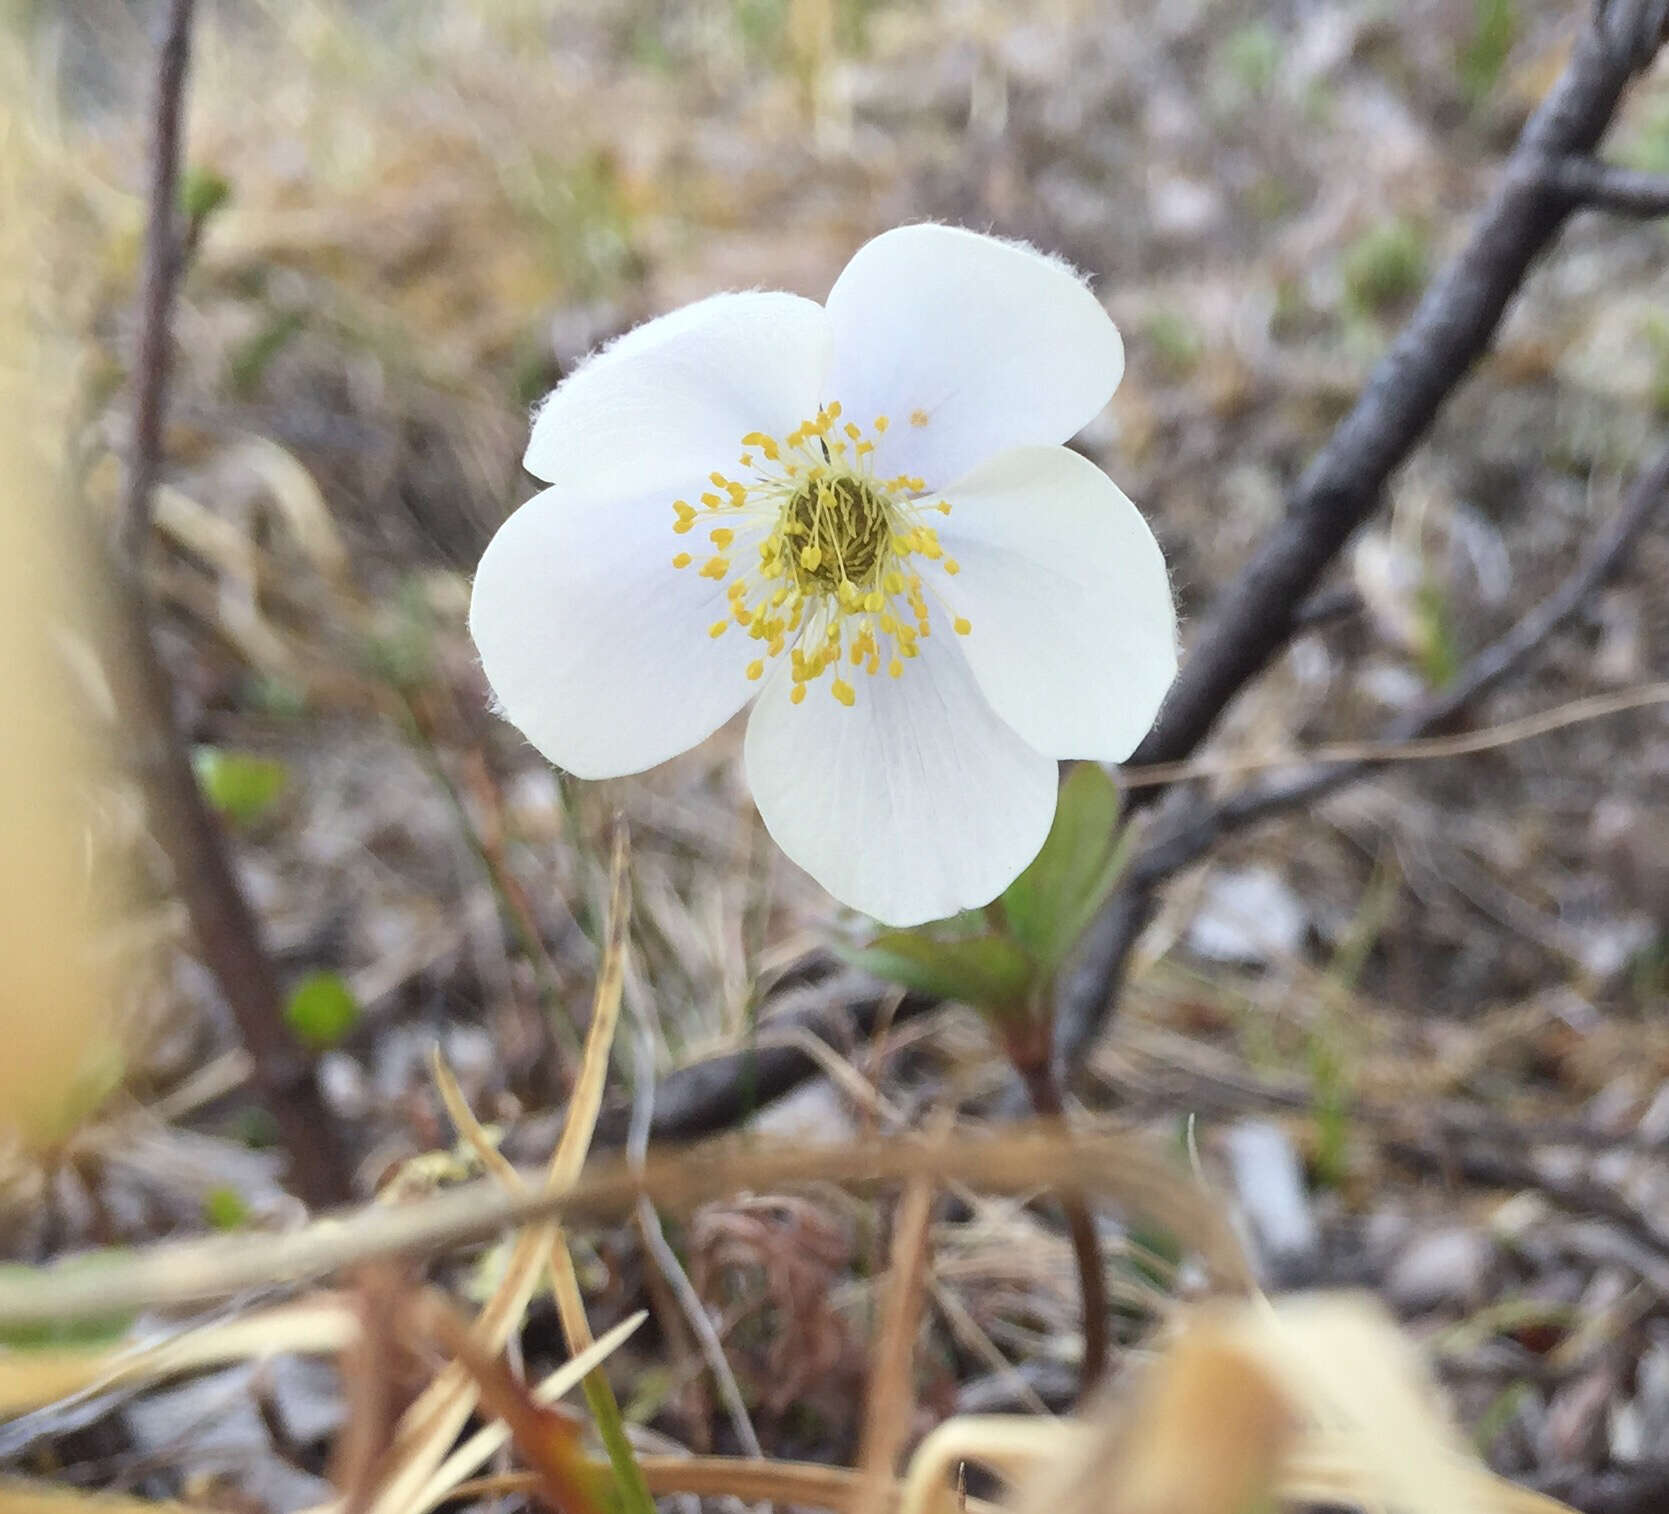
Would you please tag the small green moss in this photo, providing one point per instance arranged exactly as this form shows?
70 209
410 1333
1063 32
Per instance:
1175 341
321 1010
1647 146
224 1208
1485 52
1657 338
249 361
240 785
1251 56
1385 265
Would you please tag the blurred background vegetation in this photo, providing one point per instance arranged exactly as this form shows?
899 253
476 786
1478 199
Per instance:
407 221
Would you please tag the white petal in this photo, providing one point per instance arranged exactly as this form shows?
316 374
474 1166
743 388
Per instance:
915 803
596 646
672 400
990 344
1072 626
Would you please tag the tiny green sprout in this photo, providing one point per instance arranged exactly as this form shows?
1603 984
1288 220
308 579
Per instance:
248 362
1438 653
1657 338
240 785
321 1010
1385 265
224 1208
203 192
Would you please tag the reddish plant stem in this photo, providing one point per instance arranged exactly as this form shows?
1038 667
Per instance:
162 271
227 932
1031 1052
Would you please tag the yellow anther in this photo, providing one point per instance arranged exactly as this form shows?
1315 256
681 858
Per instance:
738 495
715 567
682 560
952 566
918 418
810 557
719 481
746 459
718 628
960 625
833 410
721 536
844 692
797 693
873 665
683 510
881 424
895 668
737 589
744 617
943 507
865 448
712 501
852 430
873 601
756 670
681 526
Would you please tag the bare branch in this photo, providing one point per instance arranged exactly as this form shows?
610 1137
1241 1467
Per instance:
1592 185
1255 616
1187 830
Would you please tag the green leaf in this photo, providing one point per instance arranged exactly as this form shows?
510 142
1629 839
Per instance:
321 1010
96 1330
1048 905
240 785
988 972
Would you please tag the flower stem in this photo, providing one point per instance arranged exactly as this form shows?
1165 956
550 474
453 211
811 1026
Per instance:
1031 1057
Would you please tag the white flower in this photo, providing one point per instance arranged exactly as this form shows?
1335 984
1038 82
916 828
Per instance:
862 513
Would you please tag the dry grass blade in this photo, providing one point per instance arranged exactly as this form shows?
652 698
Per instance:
474 1452
887 1410
434 1421
1316 1399
23 1495
1121 1168
1420 749
547 1437
31 1379
564 1279
797 1483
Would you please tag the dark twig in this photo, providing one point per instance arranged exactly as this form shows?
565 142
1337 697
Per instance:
1186 830
1590 184
227 932
722 1092
162 270
1253 618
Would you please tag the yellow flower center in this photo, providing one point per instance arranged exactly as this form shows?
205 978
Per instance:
839 581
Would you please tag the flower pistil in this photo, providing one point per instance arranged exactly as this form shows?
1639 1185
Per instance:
842 554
